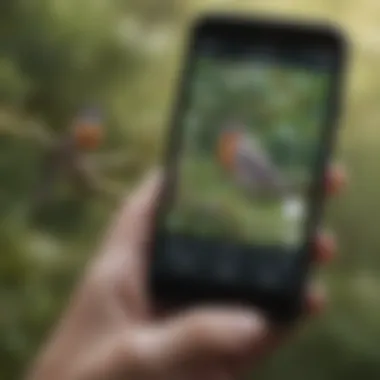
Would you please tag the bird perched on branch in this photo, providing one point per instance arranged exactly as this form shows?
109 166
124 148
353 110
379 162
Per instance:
71 159
87 129
249 166
66 156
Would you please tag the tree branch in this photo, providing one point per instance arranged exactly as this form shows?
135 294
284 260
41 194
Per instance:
106 162
11 125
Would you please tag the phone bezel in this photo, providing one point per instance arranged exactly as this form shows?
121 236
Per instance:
180 291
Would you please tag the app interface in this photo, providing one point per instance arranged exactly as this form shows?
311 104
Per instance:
252 128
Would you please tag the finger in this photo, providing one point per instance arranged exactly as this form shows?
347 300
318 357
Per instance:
315 301
313 305
195 338
123 259
133 222
325 248
277 336
336 180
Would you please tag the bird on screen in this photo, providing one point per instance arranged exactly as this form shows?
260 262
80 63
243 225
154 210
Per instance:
244 158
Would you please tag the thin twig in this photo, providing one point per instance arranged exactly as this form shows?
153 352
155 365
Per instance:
13 126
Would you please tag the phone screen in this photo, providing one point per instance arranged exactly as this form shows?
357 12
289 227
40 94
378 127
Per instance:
252 129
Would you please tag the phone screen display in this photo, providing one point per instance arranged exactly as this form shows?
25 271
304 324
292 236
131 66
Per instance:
251 133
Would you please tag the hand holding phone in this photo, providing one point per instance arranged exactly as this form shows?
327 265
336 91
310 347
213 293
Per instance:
251 137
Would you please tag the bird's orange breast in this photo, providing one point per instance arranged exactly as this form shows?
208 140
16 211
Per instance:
227 147
88 135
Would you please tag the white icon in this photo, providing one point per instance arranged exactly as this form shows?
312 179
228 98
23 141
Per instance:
293 212
293 209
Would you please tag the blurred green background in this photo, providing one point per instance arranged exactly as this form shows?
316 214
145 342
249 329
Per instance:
56 56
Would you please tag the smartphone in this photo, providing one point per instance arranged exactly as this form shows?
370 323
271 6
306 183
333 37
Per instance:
248 147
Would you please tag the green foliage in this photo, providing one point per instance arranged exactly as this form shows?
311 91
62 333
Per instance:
71 55
14 85
57 56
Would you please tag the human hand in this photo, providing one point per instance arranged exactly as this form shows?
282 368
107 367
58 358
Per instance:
112 330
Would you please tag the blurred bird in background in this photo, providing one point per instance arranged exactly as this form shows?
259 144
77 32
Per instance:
73 165
245 160
65 156
87 129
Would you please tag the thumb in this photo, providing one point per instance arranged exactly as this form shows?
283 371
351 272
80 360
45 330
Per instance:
197 337
133 222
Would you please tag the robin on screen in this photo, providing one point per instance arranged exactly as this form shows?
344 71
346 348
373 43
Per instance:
246 161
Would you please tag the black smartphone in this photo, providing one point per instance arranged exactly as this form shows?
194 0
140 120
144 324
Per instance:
248 147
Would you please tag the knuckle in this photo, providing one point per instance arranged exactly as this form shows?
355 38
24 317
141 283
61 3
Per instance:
199 328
